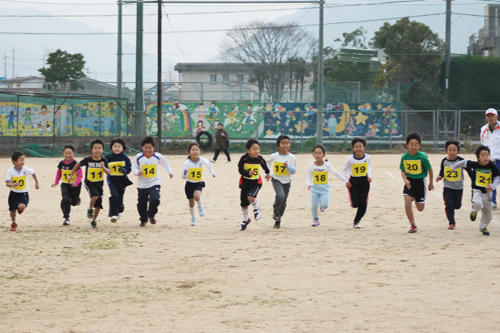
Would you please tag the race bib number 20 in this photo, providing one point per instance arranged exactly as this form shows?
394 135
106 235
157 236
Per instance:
413 167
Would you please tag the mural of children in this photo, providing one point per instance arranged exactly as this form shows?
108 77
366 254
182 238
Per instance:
213 108
112 129
248 115
49 129
43 113
199 126
96 128
84 110
351 128
27 118
40 128
332 124
10 119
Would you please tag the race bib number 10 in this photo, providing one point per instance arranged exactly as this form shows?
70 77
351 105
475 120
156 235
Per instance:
413 167
320 177
22 182
149 170
280 169
452 176
255 168
359 169
483 179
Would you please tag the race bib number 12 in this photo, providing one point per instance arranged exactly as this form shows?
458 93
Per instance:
114 168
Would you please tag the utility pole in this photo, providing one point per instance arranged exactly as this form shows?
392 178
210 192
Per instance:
319 97
13 61
119 51
159 85
5 65
139 89
447 58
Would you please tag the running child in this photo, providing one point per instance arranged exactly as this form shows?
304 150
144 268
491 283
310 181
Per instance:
282 165
119 167
145 166
70 191
17 180
97 166
453 183
195 179
250 180
414 168
485 178
359 167
317 182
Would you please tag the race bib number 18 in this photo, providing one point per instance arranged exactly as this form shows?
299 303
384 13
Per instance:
320 177
413 167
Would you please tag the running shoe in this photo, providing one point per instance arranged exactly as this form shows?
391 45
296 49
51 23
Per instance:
143 223
485 232
357 225
413 229
277 223
114 218
257 214
93 224
67 222
473 216
315 222
244 225
90 213
202 211
152 220
13 226
193 221
451 226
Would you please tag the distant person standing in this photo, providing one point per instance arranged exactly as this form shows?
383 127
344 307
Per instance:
222 143
490 137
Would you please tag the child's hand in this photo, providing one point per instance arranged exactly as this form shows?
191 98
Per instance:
431 186
369 179
54 185
103 165
438 178
251 172
348 185
74 185
489 188
171 175
185 172
407 183
309 188
16 184
285 164
268 177
37 186
70 179
140 173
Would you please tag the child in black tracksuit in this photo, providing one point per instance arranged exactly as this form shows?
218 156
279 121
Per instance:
119 167
250 181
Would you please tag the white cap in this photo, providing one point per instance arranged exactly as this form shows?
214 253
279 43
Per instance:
491 111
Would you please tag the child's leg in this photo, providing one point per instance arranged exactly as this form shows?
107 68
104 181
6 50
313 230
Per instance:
477 201
21 208
286 190
486 215
362 199
154 200
244 204
324 200
197 198
314 204
96 213
75 194
92 201
408 209
142 203
191 207
13 215
279 199
114 200
121 194
66 200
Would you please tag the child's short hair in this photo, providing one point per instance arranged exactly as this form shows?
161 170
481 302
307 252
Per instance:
148 140
96 142
480 149
318 146
220 124
15 155
69 147
281 137
414 135
452 142
358 139
120 141
251 142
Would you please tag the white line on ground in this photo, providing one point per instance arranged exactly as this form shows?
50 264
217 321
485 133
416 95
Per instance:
390 174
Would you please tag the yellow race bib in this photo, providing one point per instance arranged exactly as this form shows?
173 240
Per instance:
95 174
483 179
359 169
65 176
22 182
149 170
255 168
413 167
114 168
452 176
280 169
195 174
320 177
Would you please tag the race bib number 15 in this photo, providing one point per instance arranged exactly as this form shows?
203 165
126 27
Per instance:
195 174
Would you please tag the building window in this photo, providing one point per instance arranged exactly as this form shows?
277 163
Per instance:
213 77
239 77
225 77
18 85
251 77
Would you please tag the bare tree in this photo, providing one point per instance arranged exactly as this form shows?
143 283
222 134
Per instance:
266 48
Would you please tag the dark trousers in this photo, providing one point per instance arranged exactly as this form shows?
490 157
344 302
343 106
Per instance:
358 194
282 191
70 197
217 152
116 199
452 200
494 199
151 195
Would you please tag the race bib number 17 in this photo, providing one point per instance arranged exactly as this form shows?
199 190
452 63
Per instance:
280 169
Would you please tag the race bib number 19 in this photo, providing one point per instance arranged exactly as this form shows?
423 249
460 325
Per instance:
149 170
22 182
413 167
483 179
255 168
320 177
359 169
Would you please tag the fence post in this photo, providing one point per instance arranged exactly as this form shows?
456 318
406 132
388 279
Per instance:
99 108
17 116
301 130
434 128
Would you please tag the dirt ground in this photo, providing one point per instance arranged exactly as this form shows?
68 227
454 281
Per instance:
214 278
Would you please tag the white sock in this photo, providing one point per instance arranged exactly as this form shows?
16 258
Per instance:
255 204
200 204
191 210
245 214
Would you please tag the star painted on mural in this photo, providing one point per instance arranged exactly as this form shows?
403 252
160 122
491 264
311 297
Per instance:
290 130
379 107
278 122
298 127
361 118
269 132
297 109
386 130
